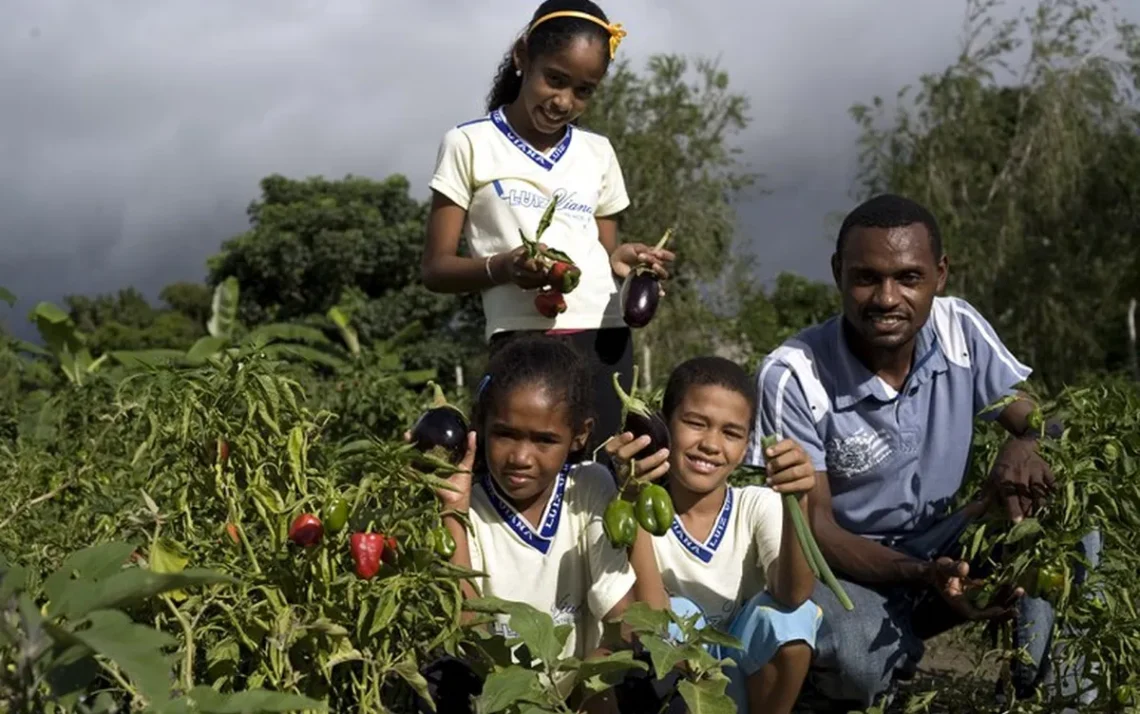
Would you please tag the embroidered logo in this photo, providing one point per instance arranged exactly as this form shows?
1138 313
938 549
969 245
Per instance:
857 454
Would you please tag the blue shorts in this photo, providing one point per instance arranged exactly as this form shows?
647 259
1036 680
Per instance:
763 626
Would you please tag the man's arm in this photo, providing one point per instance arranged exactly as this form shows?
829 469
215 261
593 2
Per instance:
859 559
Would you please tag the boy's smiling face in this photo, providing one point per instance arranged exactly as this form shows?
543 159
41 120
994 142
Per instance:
709 432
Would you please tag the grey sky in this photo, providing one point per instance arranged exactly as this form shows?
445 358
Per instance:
133 132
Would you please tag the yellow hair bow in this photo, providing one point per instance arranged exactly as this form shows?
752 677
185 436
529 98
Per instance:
617 33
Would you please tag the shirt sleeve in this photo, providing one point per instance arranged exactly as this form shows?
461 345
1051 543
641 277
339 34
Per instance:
995 370
611 575
453 168
782 410
613 197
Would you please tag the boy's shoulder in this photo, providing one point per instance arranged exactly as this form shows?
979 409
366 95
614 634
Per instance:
591 482
755 500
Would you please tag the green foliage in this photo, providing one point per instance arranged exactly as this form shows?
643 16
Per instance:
1036 184
764 319
355 243
52 654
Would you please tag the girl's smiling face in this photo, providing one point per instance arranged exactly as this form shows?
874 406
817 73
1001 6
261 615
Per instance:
527 438
557 86
709 430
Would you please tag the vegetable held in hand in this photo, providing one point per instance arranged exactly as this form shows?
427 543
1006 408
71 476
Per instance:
620 523
810 548
306 530
638 419
641 292
367 552
550 303
654 510
441 430
563 274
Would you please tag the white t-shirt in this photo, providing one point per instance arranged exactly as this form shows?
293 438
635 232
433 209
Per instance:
567 567
731 565
505 184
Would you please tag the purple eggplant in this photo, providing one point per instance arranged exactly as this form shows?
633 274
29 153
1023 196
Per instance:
640 420
641 292
441 430
640 295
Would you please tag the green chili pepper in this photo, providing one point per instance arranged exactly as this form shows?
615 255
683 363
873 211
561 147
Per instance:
654 510
620 523
337 516
443 542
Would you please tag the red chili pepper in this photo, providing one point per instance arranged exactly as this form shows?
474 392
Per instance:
232 531
550 303
565 276
367 551
306 530
391 550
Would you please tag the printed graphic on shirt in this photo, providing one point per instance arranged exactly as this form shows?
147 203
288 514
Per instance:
850 456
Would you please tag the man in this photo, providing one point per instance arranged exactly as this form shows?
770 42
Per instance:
883 397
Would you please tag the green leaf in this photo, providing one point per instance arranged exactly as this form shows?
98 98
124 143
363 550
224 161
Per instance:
1027 528
205 700
296 448
505 687
410 673
534 628
134 648
644 619
72 671
223 318
706 696
286 332
95 562
305 354
601 673
148 358
205 348
169 556
7 296
711 635
125 587
664 655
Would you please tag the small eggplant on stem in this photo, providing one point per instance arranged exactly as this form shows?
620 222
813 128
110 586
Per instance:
641 292
441 430
638 419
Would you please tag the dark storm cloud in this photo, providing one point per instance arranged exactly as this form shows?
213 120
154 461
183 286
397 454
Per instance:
133 133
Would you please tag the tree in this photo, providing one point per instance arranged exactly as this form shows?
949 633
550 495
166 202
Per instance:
126 321
766 318
670 129
1035 181
315 243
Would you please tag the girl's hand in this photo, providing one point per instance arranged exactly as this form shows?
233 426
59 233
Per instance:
460 499
623 447
789 468
519 268
630 255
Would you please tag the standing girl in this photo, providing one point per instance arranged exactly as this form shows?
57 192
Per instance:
497 174
535 520
731 555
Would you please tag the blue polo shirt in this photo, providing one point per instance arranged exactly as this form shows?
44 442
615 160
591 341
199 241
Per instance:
894 460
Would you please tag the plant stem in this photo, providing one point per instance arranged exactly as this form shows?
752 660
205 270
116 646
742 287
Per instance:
188 659
122 682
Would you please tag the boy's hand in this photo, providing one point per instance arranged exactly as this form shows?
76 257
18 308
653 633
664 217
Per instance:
789 468
623 447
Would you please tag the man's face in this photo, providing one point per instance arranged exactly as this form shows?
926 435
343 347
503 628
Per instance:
888 278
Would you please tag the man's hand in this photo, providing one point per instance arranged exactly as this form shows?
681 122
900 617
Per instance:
1021 479
950 578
